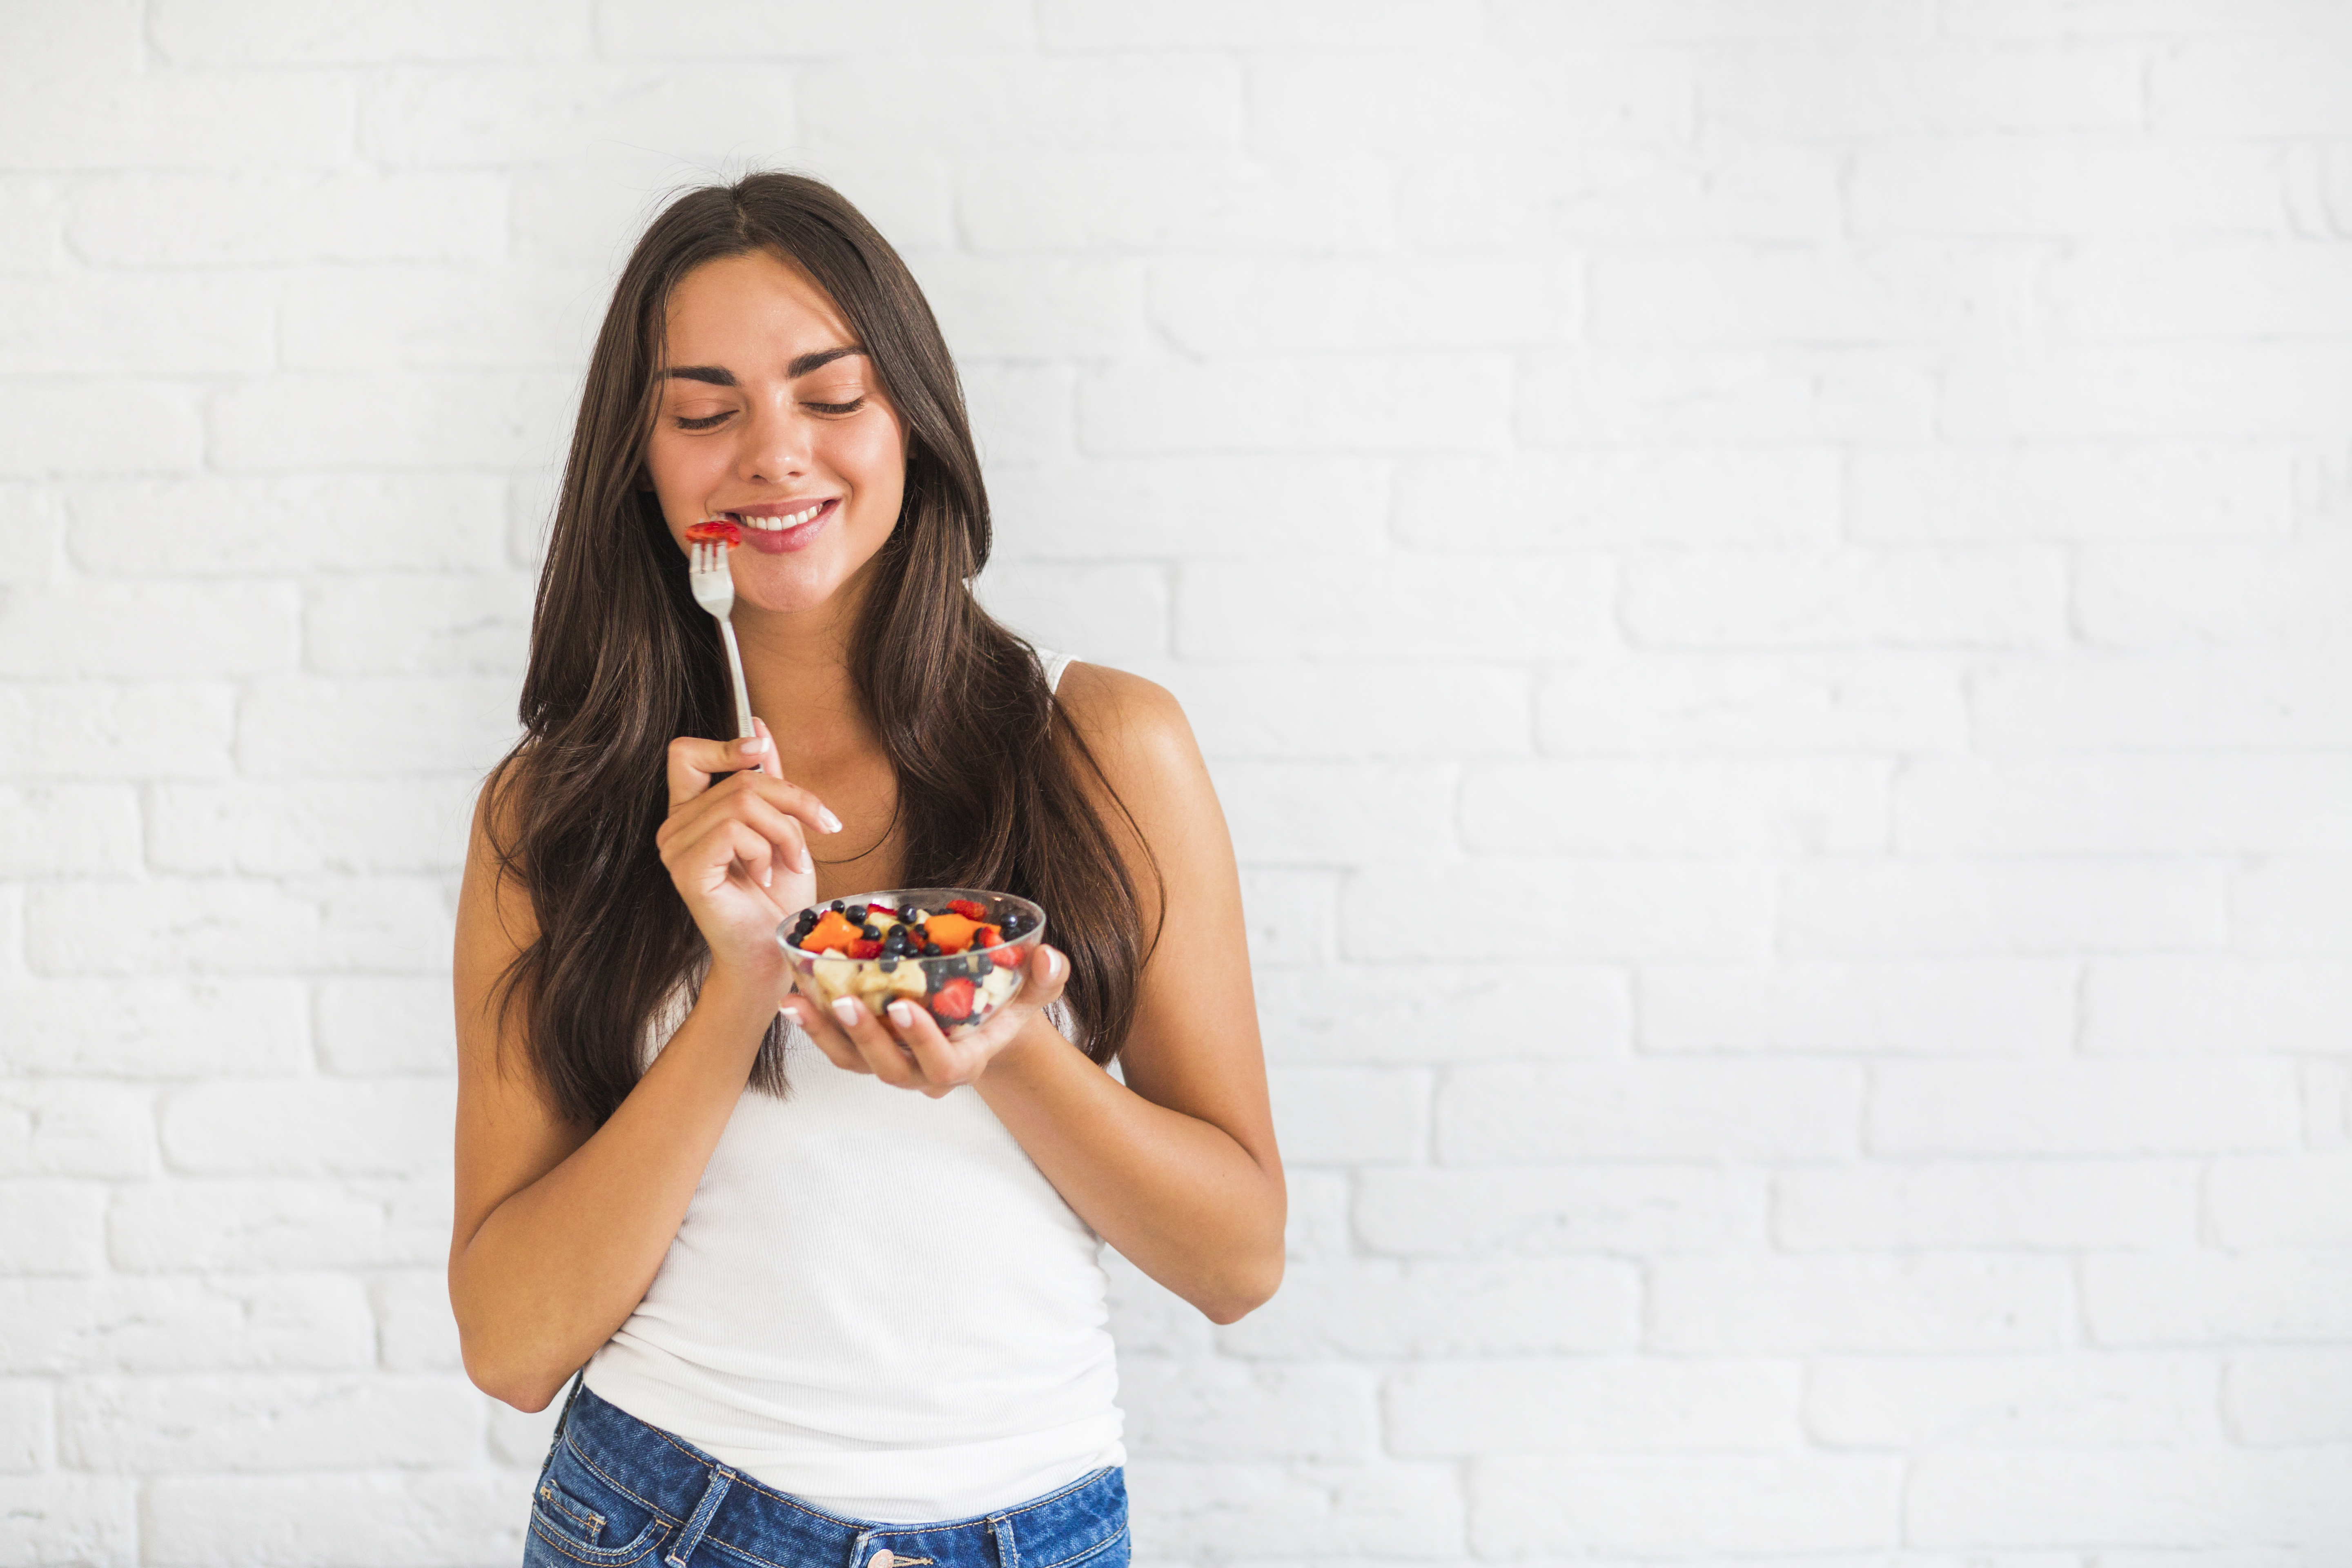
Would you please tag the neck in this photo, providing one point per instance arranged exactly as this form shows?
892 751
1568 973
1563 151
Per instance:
796 667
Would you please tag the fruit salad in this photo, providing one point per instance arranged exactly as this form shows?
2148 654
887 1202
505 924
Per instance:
956 952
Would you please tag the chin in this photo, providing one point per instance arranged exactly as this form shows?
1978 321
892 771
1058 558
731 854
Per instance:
785 590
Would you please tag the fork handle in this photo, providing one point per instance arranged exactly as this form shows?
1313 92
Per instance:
735 674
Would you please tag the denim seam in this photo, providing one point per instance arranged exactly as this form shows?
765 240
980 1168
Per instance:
1086 1481
658 1531
786 1499
587 1519
647 1503
1107 1540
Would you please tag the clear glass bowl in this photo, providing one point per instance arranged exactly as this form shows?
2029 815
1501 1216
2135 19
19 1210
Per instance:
961 990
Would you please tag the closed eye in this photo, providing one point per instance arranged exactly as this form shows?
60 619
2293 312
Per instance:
705 422
852 406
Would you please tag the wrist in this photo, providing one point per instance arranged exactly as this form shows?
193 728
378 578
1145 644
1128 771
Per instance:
742 994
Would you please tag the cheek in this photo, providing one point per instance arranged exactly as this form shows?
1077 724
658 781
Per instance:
874 459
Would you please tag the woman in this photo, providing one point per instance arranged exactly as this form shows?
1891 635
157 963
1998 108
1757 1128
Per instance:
835 1279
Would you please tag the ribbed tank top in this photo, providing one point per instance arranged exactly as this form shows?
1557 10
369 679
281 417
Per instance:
877 1303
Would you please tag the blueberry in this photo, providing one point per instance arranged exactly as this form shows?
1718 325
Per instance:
870 932
837 906
854 911
886 964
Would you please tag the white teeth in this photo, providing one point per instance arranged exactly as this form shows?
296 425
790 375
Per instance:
778 524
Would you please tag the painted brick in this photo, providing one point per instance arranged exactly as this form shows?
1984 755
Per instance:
1681 394
436 318
1162 105
1215 307
49 1227
2234 87
1515 1114
1612 1404
2250 700
2292 905
2071 1401
75 40
2219 287
2015 907
1022 412
1316 1223
1812 88
143 121
251 217
219 926
1900 292
2296 1203
1670 702
504 115
63 1127
320 1126
131 630
397 725
2041 1498
1367 403
28 1425
2043 1204
388 418
642 29
1919 1303
1291 917
1326 814
1110 507
180 1225
32 224
1152 198
1279 709
1574 499
1310 104
400 1519
1902 597
1348 1116
2205 595
1033 307
1637 1506
1105 613
1635 1209
416 1329
2127 492
99 426
2192 1299
1223 1410
366 1025
92 729
1321 1510
1576 24
1353 609
56 830
1617 191
1697 807
285 1323
2153 805
69 1519
2289 1396
1344 1013
1237 24
153 1029
137 323
166 1425
401 624
2054 185
2218 1006
2109 1106
1379 1310
2256 388
285 32
216 525
309 826
1935 1008
1620 909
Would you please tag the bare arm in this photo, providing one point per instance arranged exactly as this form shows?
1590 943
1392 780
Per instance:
559 1231
1178 1169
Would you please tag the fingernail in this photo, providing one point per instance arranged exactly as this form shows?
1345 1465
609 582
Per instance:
847 1011
767 876
808 865
901 1014
755 745
832 823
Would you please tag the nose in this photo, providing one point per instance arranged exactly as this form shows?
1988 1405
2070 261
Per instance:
776 441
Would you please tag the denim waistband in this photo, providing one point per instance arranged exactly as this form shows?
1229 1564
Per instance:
714 1514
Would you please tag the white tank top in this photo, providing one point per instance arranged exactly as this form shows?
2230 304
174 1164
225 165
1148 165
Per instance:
877 1303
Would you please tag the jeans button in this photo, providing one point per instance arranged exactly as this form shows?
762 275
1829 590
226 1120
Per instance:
881 1559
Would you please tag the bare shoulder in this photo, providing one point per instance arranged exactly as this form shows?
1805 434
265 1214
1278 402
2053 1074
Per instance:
1136 729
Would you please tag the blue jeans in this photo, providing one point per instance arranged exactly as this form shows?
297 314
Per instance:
616 1491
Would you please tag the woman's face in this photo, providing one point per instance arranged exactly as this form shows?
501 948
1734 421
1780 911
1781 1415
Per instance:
772 415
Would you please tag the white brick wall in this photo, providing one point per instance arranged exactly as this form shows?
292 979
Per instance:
1766 584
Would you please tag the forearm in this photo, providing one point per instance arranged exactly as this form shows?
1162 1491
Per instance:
1178 1196
560 1264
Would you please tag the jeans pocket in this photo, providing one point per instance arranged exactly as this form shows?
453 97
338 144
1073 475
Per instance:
566 1528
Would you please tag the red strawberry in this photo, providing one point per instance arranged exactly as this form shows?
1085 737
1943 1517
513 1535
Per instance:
951 1002
968 910
717 528
863 949
1006 958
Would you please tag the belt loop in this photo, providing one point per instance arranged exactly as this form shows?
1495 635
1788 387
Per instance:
721 1478
1008 1553
857 1550
563 1417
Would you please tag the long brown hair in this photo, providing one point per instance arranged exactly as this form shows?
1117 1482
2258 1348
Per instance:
992 787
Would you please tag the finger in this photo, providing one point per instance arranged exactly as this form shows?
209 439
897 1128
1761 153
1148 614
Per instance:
791 799
875 1044
705 860
771 761
746 803
823 1033
1047 973
945 1063
695 761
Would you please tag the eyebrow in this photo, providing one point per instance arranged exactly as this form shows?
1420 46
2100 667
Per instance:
720 376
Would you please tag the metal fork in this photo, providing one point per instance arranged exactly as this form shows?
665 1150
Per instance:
714 590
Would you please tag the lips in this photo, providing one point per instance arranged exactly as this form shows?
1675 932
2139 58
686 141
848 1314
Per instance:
776 528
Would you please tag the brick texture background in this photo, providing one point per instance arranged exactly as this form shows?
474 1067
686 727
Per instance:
1766 584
